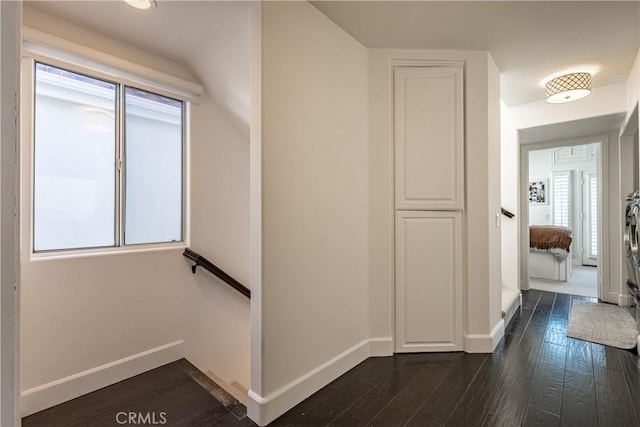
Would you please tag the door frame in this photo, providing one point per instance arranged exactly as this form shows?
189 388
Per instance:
603 183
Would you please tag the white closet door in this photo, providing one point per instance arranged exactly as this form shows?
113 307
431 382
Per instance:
429 138
429 281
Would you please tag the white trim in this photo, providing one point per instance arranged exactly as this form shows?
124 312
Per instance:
55 392
484 343
41 45
264 409
511 301
379 347
603 208
624 300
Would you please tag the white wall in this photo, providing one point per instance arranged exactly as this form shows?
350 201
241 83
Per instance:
540 169
315 278
633 90
10 16
493 207
510 168
482 189
90 321
219 338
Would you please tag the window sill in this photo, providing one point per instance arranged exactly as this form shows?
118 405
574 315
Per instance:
99 252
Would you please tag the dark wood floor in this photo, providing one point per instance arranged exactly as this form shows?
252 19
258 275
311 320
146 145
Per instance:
536 376
176 394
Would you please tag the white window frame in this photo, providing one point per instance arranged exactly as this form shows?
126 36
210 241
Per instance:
140 78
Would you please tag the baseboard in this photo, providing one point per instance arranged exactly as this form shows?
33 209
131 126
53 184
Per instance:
263 410
511 309
55 392
484 343
381 347
624 300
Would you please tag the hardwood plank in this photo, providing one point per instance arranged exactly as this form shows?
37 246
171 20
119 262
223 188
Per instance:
329 402
548 383
167 389
230 420
109 398
579 356
437 407
556 335
405 404
631 369
510 403
367 406
579 405
530 298
538 417
523 360
614 402
605 357
473 405
366 374
514 332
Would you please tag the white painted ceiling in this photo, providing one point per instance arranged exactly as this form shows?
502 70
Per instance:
528 40
211 39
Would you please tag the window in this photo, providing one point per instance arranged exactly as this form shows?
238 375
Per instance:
108 163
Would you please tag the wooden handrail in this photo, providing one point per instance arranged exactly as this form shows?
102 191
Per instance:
201 261
507 213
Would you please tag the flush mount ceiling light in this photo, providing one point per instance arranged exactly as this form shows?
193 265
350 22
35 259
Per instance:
568 87
142 4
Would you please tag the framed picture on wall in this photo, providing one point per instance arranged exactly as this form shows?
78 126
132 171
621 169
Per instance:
538 192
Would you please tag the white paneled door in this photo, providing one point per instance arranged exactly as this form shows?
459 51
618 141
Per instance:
429 281
429 203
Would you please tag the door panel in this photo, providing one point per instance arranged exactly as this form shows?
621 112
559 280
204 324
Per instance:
428 127
428 281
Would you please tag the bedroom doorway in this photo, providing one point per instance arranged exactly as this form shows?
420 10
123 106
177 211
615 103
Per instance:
563 222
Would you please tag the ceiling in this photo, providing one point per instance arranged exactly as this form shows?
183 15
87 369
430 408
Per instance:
528 40
210 39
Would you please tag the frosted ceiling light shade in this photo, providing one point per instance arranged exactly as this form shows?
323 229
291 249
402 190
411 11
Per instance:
567 88
142 4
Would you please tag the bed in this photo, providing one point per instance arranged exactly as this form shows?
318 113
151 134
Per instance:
550 252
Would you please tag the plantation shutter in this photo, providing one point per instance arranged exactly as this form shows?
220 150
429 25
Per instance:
562 195
593 219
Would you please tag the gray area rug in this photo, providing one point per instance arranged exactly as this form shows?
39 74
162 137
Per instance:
603 324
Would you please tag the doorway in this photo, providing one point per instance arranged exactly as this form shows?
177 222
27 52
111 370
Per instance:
563 182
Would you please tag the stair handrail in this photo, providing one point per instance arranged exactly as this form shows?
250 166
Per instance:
201 261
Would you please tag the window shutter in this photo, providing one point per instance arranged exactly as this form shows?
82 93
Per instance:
562 195
593 207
